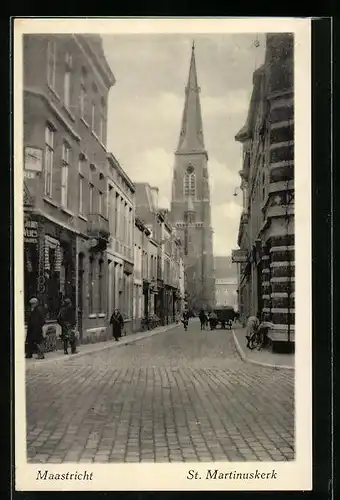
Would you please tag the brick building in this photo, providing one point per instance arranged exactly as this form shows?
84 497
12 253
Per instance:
266 232
65 87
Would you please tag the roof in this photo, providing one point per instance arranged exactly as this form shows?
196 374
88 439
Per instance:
115 163
246 130
191 136
95 45
144 206
224 267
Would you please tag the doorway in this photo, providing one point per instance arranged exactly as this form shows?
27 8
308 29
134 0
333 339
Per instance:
80 293
259 289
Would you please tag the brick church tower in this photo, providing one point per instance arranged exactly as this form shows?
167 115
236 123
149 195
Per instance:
190 204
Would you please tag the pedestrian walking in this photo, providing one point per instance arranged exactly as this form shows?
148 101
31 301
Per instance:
117 323
203 319
213 320
35 337
67 321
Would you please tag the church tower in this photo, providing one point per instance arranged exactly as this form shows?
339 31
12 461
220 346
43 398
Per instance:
190 204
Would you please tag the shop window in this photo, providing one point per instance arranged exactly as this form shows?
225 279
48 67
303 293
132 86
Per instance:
30 272
57 276
100 286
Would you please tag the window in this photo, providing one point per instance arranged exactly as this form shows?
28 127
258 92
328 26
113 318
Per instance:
109 207
64 173
100 287
81 181
81 194
102 121
51 63
91 285
116 224
49 154
93 116
83 94
91 198
100 203
190 184
67 80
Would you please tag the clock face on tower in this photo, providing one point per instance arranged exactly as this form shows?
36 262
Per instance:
190 169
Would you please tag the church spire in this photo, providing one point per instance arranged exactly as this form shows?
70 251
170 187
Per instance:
191 136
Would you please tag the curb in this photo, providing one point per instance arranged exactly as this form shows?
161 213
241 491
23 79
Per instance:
259 363
110 344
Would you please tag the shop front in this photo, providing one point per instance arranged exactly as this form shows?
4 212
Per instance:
49 269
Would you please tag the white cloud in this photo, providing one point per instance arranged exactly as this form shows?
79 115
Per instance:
154 166
225 219
220 173
232 103
146 105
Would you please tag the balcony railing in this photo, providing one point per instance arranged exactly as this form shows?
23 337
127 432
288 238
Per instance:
98 226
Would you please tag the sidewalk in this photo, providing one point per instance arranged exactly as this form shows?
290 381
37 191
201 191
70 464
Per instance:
264 357
87 349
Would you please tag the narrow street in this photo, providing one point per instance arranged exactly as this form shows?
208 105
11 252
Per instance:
176 396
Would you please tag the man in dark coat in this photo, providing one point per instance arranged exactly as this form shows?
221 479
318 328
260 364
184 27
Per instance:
35 338
117 323
203 319
67 321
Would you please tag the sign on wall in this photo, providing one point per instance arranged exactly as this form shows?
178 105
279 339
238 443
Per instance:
239 256
33 159
30 231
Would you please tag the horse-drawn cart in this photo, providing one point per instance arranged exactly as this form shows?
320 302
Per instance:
225 316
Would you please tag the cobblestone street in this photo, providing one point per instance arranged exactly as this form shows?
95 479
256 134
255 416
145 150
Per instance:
176 396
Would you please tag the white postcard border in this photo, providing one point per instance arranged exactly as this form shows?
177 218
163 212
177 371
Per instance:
294 475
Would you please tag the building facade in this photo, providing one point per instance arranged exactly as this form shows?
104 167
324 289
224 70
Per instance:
164 256
190 204
65 224
226 282
266 232
120 250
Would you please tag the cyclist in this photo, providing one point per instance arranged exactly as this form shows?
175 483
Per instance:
185 319
262 331
252 327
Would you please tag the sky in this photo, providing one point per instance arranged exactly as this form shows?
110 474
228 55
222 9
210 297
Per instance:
146 104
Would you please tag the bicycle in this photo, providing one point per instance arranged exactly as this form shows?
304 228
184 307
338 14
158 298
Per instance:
185 323
259 338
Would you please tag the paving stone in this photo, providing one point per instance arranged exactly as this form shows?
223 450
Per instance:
196 401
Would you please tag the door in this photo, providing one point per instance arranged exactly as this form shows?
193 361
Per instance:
80 293
259 289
